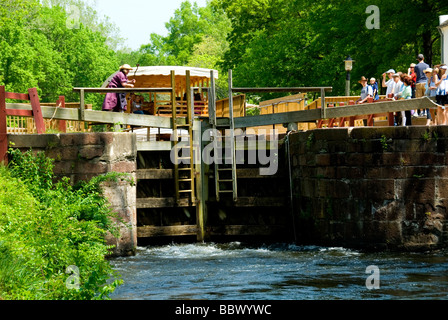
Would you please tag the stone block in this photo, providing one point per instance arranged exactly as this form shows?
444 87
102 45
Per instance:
361 133
341 189
415 189
323 160
442 188
91 152
90 167
333 134
123 167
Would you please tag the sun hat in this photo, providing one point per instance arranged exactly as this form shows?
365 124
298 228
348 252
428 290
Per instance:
362 79
390 71
412 65
428 70
396 75
125 67
444 67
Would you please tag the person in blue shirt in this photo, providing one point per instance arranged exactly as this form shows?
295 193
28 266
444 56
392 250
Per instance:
374 86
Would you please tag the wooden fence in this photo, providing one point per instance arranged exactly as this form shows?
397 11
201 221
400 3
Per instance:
27 125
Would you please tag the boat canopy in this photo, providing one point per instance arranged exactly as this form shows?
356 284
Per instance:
160 77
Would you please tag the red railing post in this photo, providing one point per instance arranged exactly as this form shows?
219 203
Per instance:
390 119
37 111
331 122
3 128
62 126
352 119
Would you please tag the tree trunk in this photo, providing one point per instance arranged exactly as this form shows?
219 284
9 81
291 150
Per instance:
427 46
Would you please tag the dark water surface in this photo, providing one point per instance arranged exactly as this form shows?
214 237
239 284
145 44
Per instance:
277 272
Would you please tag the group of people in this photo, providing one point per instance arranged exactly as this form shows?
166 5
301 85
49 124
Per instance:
420 80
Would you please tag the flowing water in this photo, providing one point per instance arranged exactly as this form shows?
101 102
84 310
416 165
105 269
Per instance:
235 271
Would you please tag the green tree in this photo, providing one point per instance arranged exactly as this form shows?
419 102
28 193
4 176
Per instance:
40 46
303 43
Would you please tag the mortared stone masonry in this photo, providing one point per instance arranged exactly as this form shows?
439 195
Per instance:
376 188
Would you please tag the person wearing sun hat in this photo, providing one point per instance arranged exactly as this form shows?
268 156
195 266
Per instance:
366 91
116 102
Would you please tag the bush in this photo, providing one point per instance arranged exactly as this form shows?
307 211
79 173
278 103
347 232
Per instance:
46 227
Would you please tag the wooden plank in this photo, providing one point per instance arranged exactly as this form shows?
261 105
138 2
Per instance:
247 230
379 107
339 112
37 112
253 173
121 90
292 98
165 174
82 105
154 145
17 96
292 89
154 174
165 231
19 113
100 116
243 202
3 127
278 118
152 203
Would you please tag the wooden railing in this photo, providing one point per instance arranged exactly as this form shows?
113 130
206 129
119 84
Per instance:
239 107
27 125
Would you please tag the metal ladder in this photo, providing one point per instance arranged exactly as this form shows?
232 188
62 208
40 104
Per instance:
184 172
225 166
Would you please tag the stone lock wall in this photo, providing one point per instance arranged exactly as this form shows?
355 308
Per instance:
81 156
378 188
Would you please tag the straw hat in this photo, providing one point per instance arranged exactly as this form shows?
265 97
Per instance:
428 70
125 67
362 79
412 65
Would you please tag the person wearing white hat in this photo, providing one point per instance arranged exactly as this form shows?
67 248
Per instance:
390 83
116 102
374 86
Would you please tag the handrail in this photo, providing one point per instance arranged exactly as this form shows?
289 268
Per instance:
283 89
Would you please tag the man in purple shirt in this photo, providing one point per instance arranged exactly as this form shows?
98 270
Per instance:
421 77
116 102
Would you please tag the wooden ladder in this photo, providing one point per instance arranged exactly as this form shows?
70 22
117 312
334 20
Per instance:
184 173
224 150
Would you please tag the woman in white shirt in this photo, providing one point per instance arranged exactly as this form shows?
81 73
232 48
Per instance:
441 94
431 91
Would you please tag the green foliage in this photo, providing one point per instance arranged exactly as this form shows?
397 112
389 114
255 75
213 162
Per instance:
385 143
303 43
47 226
40 48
